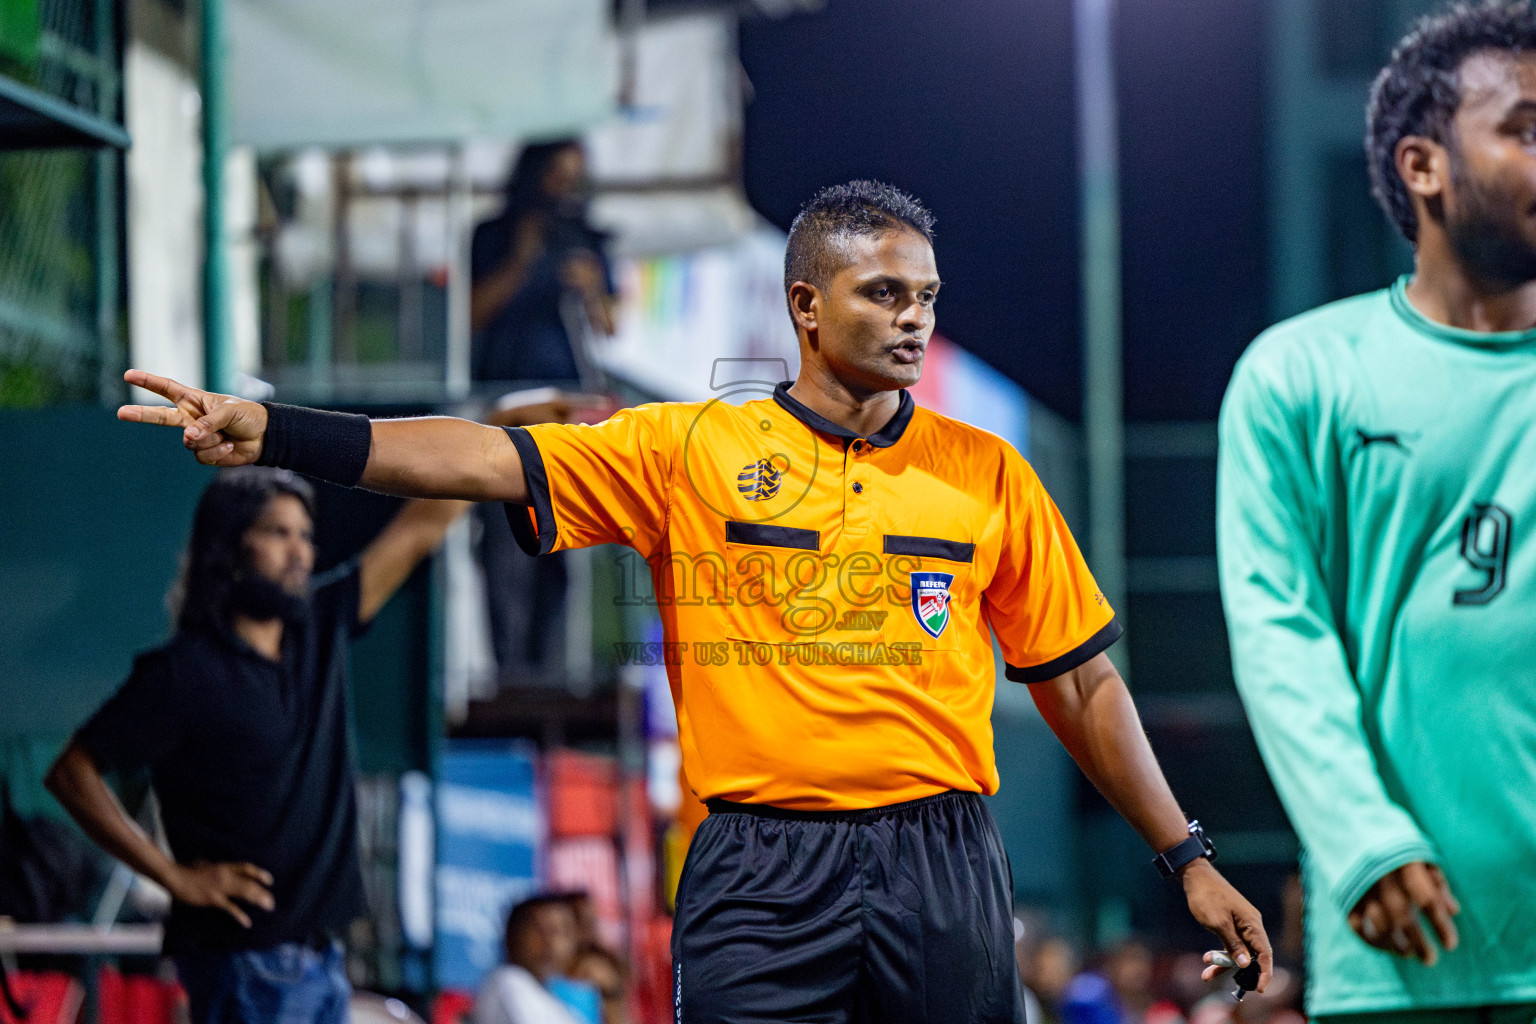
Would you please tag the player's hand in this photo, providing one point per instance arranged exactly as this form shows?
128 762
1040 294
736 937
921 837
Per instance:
1232 919
220 885
1388 915
221 430
549 405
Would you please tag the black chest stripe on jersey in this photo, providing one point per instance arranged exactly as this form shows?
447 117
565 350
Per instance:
930 547
765 536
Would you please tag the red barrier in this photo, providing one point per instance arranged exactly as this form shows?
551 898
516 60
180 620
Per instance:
453 1006
137 998
48 997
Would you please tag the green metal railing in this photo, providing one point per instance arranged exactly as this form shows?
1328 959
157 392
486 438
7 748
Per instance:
60 209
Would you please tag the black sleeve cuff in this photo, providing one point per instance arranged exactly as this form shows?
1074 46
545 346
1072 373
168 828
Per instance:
538 494
329 446
1096 644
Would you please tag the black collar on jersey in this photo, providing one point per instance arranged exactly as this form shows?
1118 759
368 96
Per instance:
883 438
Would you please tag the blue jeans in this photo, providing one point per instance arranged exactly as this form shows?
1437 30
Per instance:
285 984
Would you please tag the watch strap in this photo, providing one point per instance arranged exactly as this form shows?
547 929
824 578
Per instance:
1171 860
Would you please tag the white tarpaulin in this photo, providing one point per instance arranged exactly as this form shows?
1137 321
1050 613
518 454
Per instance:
361 72
693 324
681 134
684 119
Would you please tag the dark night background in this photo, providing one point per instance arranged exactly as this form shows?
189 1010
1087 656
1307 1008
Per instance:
970 106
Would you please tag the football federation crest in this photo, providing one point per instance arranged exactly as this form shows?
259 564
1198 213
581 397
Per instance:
930 600
760 480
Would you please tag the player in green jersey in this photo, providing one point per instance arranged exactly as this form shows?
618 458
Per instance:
1377 539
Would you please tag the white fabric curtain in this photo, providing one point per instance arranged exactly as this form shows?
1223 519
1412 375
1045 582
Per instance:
363 72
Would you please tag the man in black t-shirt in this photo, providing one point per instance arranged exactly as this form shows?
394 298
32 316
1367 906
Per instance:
241 720
534 267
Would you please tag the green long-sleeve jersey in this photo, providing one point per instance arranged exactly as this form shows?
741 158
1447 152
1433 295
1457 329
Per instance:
1376 523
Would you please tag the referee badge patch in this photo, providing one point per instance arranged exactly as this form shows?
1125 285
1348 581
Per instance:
930 600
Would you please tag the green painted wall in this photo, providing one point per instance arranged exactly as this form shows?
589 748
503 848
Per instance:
93 517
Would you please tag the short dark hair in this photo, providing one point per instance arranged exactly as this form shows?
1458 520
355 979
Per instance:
521 914
858 208
1417 93
215 555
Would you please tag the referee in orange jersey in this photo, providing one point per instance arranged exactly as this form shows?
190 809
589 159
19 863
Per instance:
831 565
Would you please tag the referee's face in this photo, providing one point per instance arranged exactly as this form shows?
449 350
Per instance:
280 545
876 314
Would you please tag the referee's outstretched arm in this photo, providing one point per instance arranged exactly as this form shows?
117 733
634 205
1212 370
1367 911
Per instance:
425 457
1091 712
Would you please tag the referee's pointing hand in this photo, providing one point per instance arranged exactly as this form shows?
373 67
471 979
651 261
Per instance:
221 430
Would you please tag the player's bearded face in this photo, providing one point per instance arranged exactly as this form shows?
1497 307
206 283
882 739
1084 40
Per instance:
280 546
1490 226
877 312
1490 206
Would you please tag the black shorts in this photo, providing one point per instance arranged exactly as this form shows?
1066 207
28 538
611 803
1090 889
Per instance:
897 915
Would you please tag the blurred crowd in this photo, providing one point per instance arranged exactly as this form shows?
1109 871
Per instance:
1135 981
1129 983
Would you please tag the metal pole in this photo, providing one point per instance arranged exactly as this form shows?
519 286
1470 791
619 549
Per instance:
218 332
458 356
344 305
1103 409
408 341
631 21
108 193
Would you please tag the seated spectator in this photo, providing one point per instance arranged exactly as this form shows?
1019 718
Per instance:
1118 991
588 934
597 965
1047 969
580 997
541 942
601 968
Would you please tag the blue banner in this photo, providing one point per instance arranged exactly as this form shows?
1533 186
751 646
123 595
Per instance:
490 830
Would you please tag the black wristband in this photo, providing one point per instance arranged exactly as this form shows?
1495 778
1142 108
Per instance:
329 446
1171 860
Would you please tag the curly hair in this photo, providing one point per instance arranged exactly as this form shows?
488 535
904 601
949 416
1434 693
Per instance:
858 208
1417 93
215 555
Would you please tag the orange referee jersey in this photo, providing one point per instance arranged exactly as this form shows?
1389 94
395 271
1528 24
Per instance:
828 600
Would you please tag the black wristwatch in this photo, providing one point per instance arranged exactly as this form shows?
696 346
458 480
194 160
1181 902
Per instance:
1196 846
